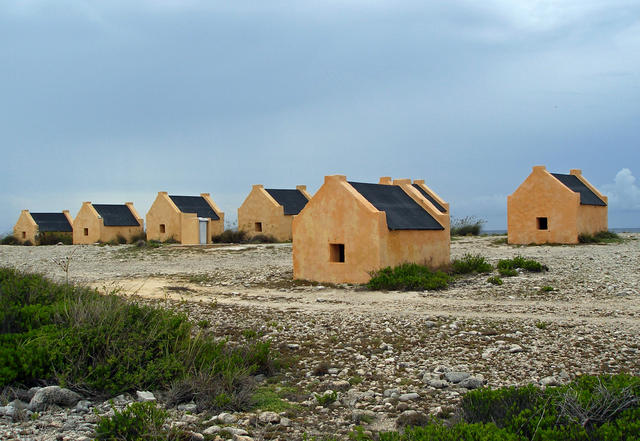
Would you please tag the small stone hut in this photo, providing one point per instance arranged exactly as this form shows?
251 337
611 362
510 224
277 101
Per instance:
270 211
554 208
189 220
349 229
31 226
106 223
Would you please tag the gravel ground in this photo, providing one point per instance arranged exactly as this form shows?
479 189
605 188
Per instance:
384 353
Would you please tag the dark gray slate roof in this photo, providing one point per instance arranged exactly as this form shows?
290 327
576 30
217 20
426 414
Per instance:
293 201
195 204
52 222
403 213
587 197
430 198
116 215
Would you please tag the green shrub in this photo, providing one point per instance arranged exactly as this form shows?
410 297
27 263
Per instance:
546 288
230 236
458 432
327 398
137 422
10 240
471 263
467 226
120 239
520 262
495 280
103 343
507 272
599 237
408 277
263 238
54 238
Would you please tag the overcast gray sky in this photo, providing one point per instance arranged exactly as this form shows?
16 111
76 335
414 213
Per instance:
115 101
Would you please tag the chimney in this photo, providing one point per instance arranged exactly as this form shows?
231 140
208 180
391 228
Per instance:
385 180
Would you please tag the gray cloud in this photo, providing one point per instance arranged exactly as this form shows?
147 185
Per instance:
623 194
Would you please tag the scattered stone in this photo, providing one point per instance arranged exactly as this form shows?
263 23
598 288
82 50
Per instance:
438 384
409 397
514 349
269 418
456 377
52 396
471 383
145 396
549 381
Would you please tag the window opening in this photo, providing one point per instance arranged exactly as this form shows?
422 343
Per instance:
542 223
162 228
258 227
86 231
336 252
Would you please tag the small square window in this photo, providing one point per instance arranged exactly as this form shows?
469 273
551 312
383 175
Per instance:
86 231
542 223
162 228
336 252
258 227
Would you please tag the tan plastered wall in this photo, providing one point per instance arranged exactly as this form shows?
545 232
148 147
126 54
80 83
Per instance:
88 218
542 195
164 212
259 206
25 228
592 219
337 214
182 227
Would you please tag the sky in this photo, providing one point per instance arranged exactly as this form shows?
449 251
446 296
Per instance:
114 101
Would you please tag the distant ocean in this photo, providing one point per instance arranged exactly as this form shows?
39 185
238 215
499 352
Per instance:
615 230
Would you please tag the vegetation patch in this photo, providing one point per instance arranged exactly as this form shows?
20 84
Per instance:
591 408
105 345
471 263
495 280
54 238
408 277
508 266
467 226
600 237
10 240
241 236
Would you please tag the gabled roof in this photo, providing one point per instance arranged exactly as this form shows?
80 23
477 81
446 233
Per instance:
430 198
403 213
52 222
195 204
293 201
587 197
116 215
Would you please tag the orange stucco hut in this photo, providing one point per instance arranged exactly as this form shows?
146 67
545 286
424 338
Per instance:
190 220
31 226
106 222
554 208
270 211
349 229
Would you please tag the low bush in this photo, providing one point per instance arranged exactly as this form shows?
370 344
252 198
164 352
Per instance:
471 263
120 239
103 344
230 236
327 398
467 226
54 238
520 262
408 277
495 280
507 272
10 240
262 238
241 236
139 421
600 237
603 408
138 237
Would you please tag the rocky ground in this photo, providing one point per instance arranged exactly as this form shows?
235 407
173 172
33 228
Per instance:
387 356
